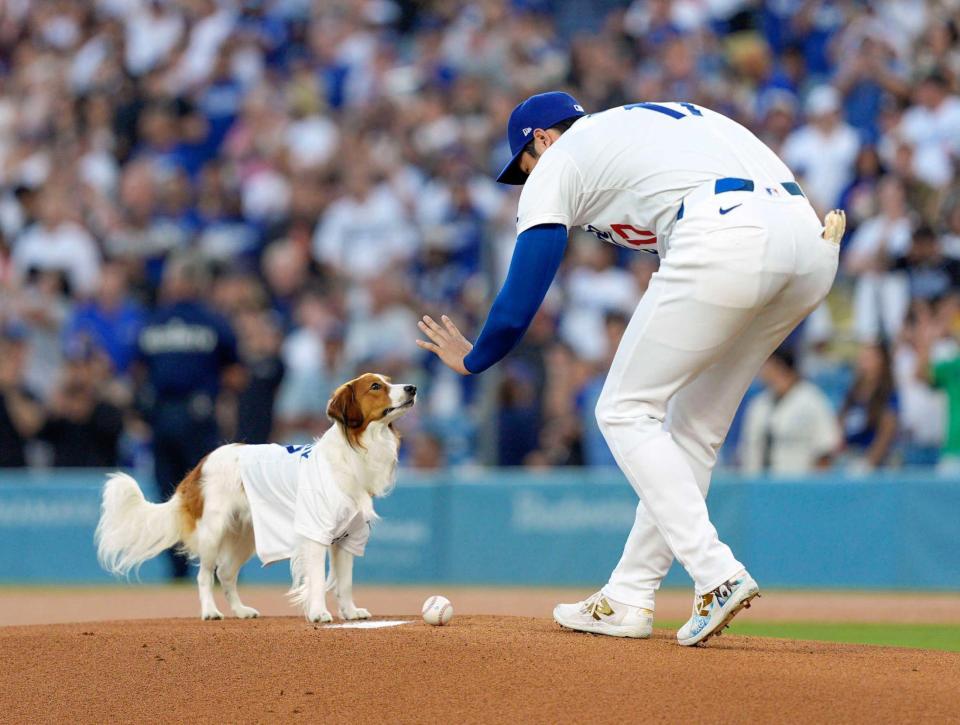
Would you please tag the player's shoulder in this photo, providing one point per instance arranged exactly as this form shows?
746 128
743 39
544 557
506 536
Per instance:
561 161
577 148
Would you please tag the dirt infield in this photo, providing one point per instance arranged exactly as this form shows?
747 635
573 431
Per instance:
478 669
33 605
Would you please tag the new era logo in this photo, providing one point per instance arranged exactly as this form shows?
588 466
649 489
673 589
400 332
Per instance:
527 130
578 107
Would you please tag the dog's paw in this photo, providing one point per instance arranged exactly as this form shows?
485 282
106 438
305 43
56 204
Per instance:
354 613
321 617
245 612
215 614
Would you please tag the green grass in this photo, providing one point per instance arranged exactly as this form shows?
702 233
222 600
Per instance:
923 636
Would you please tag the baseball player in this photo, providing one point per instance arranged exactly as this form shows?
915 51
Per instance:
743 259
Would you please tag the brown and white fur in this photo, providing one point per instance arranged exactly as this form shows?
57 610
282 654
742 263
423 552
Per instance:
208 516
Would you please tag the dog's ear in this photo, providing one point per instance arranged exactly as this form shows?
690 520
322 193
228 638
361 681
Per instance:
344 408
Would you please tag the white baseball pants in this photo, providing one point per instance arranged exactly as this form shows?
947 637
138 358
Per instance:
729 290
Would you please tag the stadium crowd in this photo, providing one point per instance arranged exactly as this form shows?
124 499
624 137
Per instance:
318 174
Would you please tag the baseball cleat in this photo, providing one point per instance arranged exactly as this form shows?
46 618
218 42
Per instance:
713 611
599 615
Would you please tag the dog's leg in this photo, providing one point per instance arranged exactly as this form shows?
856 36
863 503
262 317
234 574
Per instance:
236 549
342 564
210 533
315 581
208 605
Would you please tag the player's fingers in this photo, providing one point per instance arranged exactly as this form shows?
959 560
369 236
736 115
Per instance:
429 346
434 325
430 332
451 328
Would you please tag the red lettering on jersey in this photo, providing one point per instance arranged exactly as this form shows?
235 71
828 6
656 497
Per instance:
635 236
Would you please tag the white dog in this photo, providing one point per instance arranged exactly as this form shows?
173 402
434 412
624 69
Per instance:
284 502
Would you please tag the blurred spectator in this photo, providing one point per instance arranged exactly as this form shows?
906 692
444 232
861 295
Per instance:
365 233
867 72
426 452
881 295
111 320
941 368
379 327
859 199
930 275
311 357
823 151
790 428
932 127
82 428
951 237
42 306
286 270
595 286
518 419
596 452
58 242
259 342
869 414
923 413
186 352
21 414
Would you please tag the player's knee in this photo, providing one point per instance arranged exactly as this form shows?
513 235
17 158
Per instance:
604 414
612 413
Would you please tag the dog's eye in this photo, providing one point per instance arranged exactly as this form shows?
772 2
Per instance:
376 386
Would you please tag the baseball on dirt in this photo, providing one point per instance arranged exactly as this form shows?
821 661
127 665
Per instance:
437 610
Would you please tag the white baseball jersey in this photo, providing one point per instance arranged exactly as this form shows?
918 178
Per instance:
292 494
622 173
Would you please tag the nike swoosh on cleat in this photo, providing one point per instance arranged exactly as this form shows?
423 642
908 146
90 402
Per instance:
729 209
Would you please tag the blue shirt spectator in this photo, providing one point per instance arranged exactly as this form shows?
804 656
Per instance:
111 321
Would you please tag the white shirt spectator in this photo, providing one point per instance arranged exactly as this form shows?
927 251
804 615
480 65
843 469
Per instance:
67 247
590 295
824 160
151 35
935 137
382 336
198 60
312 141
923 409
789 435
879 233
86 63
880 299
265 195
363 238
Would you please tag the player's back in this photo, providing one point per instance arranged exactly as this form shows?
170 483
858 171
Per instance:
652 154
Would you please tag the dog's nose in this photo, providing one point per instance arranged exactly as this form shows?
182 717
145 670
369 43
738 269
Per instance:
412 389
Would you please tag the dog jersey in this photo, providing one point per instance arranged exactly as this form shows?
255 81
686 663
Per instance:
293 494
621 174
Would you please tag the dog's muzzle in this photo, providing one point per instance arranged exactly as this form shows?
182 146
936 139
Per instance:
408 403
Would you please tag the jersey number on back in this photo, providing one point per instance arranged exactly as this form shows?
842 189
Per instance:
666 110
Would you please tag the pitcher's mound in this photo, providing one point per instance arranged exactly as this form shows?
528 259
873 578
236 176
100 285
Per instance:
477 669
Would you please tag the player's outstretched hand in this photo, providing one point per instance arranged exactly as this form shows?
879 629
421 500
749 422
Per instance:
448 343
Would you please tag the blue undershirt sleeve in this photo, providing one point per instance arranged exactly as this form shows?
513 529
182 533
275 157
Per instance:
536 259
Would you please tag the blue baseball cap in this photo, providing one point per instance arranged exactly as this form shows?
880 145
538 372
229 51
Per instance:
540 111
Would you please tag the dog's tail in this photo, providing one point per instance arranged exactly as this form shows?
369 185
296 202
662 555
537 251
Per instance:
131 529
